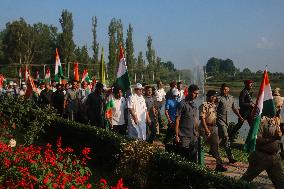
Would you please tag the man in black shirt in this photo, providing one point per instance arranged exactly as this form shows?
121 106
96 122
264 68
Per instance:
58 99
45 96
246 106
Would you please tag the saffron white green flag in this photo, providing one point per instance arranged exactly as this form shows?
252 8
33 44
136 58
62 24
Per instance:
85 76
58 68
264 107
47 75
122 78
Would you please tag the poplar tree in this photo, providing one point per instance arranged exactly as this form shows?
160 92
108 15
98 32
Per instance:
151 57
95 46
140 66
130 52
66 43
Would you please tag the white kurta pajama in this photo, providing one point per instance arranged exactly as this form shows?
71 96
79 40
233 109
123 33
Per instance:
137 103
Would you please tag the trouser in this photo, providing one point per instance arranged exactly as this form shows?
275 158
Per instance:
240 123
272 164
160 121
188 148
137 131
213 141
224 137
153 132
169 134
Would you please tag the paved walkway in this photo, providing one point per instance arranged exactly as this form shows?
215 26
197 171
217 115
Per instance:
234 170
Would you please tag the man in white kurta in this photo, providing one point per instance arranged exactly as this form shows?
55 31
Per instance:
138 115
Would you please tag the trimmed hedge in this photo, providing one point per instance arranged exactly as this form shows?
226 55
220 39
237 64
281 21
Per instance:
160 170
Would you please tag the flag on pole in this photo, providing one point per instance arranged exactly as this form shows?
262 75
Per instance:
264 107
31 88
47 75
102 69
76 71
85 76
122 78
58 68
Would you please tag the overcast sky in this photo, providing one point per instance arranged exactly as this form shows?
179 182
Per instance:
186 32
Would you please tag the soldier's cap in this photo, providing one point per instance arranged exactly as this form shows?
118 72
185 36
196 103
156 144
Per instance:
211 93
276 92
248 81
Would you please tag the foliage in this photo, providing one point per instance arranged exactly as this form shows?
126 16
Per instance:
95 46
67 45
130 52
215 65
23 119
134 162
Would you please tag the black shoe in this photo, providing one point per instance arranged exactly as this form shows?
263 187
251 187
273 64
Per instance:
220 168
232 161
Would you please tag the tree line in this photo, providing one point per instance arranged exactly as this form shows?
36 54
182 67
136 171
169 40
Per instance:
24 44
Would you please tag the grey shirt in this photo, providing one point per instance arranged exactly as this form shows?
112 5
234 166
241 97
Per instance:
225 104
187 111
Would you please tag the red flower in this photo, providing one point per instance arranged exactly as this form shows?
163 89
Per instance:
89 185
86 152
103 183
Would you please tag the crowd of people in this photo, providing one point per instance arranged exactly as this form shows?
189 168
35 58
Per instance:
139 116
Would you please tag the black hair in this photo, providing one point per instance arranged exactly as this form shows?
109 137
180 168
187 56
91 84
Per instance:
192 88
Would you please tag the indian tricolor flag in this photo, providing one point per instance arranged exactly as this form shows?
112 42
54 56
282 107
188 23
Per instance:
264 107
122 75
85 76
58 68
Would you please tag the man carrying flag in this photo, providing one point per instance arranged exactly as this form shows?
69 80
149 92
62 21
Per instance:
58 68
76 72
264 137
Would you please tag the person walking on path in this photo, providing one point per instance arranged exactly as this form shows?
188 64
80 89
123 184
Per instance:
246 106
186 130
160 97
224 105
207 115
170 112
95 106
72 102
118 123
266 156
151 105
138 114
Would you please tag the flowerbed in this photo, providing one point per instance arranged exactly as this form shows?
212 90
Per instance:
45 167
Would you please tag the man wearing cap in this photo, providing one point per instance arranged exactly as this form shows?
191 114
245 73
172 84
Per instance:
266 156
138 114
246 106
207 115
186 129
225 104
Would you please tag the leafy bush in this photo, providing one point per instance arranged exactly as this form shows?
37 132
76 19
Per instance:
23 119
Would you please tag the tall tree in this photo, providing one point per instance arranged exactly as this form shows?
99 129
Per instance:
140 67
18 43
151 57
112 57
95 46
213 65
130 53
66 43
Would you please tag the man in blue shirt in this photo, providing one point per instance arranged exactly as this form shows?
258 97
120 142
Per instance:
170 112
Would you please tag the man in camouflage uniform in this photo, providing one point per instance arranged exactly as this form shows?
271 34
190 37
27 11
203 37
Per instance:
226 104
207 113
266 156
